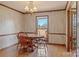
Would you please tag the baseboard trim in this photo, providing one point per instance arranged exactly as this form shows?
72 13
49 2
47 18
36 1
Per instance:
8 47
56 44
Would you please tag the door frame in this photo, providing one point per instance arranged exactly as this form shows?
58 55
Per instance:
69 27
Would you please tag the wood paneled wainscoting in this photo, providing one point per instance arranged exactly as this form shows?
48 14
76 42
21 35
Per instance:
7 35
57 34
8 40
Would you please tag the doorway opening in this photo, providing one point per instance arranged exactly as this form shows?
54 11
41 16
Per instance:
42 26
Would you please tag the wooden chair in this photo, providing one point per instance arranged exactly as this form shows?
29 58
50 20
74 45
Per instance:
23 41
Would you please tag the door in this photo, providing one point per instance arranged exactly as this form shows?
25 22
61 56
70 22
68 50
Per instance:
72 27
74 21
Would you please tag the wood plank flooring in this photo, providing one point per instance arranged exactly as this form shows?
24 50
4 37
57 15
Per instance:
41 51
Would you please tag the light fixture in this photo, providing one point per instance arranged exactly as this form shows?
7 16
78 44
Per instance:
30 7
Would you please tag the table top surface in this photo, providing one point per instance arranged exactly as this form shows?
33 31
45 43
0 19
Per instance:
37 36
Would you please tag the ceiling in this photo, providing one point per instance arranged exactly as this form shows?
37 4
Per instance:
41 5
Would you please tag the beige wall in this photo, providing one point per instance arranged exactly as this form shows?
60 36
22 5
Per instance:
30 23
57 24
10 22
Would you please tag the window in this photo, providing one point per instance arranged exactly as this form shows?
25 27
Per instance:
42 25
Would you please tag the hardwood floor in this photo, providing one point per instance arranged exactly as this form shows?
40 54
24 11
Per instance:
42 51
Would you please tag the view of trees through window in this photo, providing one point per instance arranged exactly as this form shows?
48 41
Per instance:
42 23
